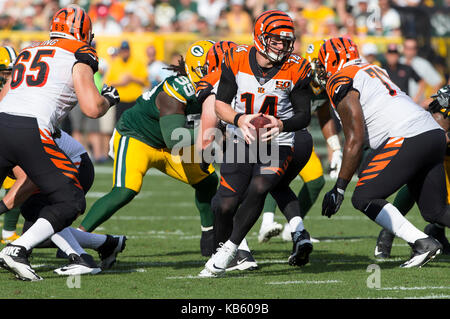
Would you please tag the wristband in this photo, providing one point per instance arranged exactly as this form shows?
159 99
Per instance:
3 208
333 142
341 183
236 119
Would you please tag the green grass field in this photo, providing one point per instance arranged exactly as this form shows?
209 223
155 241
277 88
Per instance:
162 257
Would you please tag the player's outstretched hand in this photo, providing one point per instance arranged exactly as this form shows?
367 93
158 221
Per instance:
273 128
111 94
332 201
247 128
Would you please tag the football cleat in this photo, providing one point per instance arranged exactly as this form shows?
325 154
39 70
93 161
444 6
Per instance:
384 244
216 265
79 265
302 247
207 242
268 231
61 254
424 250
10 239
242 261
14 258
438 233
109 249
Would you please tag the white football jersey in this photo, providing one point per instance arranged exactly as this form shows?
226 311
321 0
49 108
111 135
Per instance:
388 111
258 92
41 81
71 147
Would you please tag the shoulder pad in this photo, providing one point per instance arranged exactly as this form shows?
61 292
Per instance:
338 86
87 55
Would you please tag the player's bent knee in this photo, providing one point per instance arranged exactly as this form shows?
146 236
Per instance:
66 206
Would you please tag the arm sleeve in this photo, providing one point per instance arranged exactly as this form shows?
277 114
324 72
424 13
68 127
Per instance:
168 124
87 55
227 86
301 103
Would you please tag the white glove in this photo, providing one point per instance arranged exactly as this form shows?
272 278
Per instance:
335 165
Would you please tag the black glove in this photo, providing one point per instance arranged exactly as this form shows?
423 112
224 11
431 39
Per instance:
332 201
111 94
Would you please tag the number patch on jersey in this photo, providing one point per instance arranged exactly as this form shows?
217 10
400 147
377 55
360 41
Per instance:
188 88
20 70
269 106
376 73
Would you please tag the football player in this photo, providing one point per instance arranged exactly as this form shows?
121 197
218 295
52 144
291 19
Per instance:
409 148
261 79
404 201
70 240
206 143
48 78
143 140
312 173
7 57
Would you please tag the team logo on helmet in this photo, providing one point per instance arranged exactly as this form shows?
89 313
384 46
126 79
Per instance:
197 51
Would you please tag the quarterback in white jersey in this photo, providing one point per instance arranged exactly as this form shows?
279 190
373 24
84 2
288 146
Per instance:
46 80
409 148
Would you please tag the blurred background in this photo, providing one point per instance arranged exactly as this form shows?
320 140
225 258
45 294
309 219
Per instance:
136 40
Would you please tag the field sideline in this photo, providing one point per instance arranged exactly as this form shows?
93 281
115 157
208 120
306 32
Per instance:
162 257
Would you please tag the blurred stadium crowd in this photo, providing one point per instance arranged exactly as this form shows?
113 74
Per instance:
406 28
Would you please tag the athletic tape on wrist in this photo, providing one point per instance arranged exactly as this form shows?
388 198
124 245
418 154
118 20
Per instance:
333 142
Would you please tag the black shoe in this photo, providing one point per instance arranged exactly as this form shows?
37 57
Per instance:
242 261
302 247
384 244
61 254
438 233
424 250
14 259
109 249
207 242
79 265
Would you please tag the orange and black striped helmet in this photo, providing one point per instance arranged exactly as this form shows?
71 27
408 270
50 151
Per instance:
274 25
216 54
335 52
72 23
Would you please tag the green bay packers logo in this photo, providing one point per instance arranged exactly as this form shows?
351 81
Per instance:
310 49
197 51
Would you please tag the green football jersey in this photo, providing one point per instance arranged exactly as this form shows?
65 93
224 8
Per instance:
142 120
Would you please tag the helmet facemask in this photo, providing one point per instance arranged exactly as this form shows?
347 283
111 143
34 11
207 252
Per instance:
271 42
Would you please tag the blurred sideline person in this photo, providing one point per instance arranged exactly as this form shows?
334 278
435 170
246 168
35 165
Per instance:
312 174
143 140
48 79
7 57
70 240
404 200
261 79
129 76
407 149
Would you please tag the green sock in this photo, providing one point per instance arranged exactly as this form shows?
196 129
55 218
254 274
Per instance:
10 219
308 194
106 206
270 204
404 200
204 192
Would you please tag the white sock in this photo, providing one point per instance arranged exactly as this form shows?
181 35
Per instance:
67 242
390 218
296 224
243 245
231 245
88 240
268 218
7 233
37 233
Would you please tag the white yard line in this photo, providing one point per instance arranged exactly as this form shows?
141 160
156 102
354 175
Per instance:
308 282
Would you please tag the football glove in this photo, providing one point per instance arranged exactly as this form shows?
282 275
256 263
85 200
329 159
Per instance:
332 201
335 164
111 94
441 102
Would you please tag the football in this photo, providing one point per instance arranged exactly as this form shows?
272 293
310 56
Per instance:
259 122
